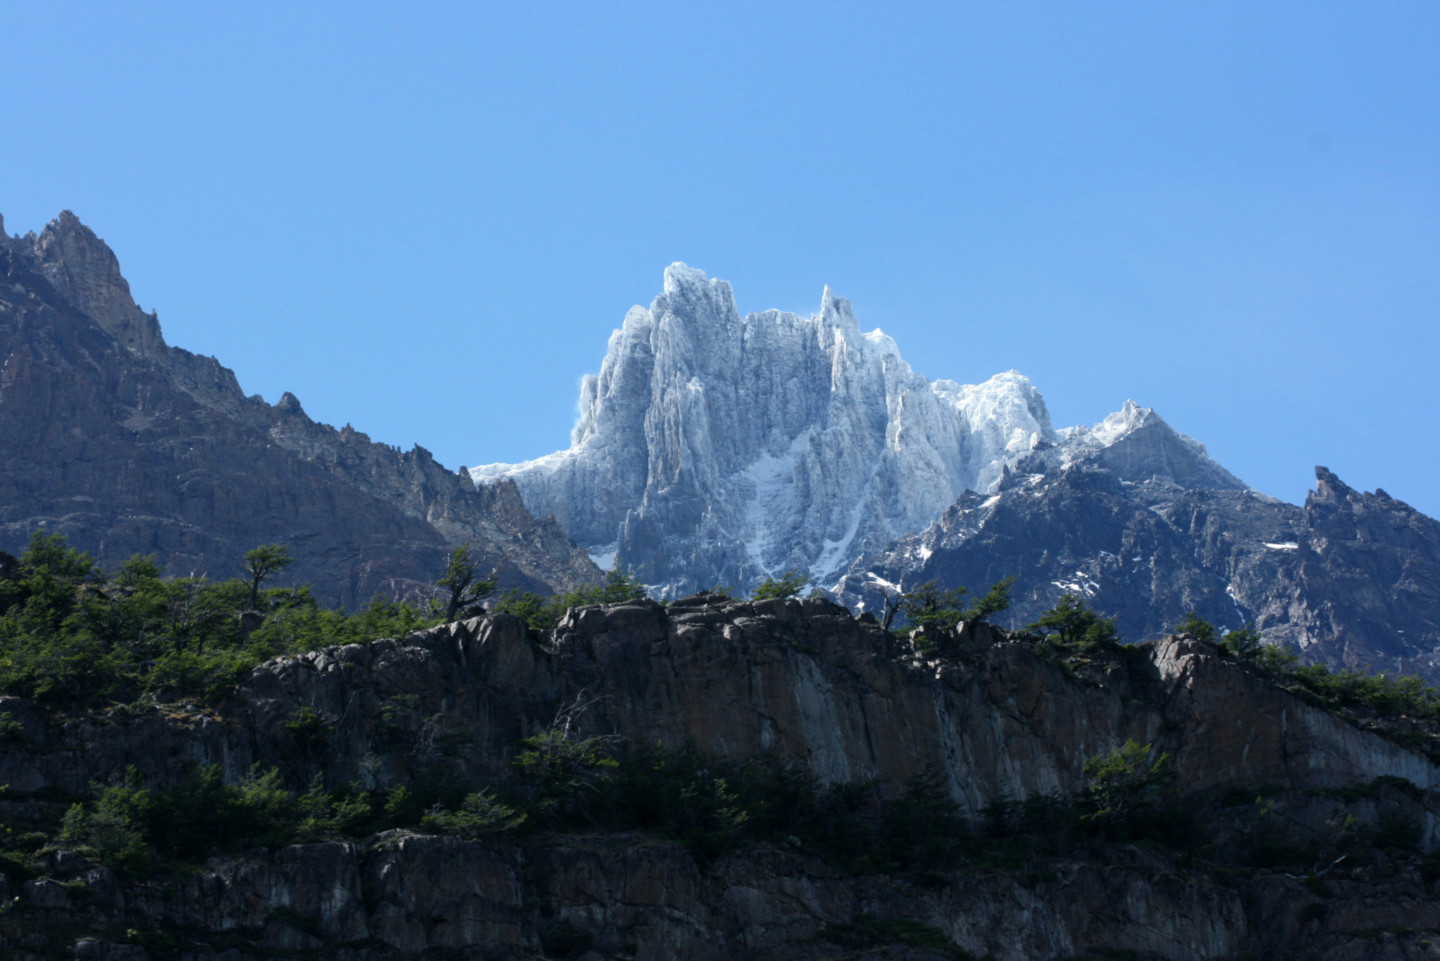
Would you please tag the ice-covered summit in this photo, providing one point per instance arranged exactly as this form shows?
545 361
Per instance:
713 449
1137 444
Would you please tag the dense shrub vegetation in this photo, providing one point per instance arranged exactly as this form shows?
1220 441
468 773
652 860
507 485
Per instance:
564 783
70 632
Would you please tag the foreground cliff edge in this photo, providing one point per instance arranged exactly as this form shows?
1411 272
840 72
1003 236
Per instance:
1282 829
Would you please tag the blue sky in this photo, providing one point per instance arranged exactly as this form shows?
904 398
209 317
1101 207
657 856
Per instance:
425 220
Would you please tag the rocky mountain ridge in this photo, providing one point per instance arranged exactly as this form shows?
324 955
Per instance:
127 445
716 450
1350 579
713 449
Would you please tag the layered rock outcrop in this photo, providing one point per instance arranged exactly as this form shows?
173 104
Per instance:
733 679
129 446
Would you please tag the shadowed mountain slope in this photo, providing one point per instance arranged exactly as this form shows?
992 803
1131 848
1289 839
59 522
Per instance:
129 446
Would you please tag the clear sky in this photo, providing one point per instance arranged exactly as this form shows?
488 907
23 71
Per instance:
425 219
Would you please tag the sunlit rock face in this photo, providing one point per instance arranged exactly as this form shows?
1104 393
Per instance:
715 449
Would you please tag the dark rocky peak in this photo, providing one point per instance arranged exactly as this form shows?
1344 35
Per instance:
1138 445
289 405
1329 489
1338 512
178 462
84 270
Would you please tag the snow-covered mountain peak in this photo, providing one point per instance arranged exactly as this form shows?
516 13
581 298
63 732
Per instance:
681 278
712 449
1115 426
690 295
837 312
1139 445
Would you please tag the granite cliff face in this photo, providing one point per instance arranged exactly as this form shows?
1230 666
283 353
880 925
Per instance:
802 679
735 680
129 446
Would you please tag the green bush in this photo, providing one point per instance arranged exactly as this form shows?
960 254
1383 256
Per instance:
481 814
563 775
1196 626
542 613
309 730
1122 783
322 815
923 828
929 604
112 829
791 583
71 634
1407 695
1072 623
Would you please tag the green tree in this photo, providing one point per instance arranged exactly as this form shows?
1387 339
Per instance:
928 604
48 646
995 600
565 773
461 584
789 584
260 564
618 587
1245 644
481 813
113 827
1196 626
541 613
1071 621
923 828
1121 782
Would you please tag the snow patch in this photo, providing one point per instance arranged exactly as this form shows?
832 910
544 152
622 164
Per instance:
770 481
1083 585
875 579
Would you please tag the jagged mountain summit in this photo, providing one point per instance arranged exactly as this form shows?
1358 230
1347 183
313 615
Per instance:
1350 579
713 449
127 445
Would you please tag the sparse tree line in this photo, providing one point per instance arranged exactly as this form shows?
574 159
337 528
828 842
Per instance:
72 634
